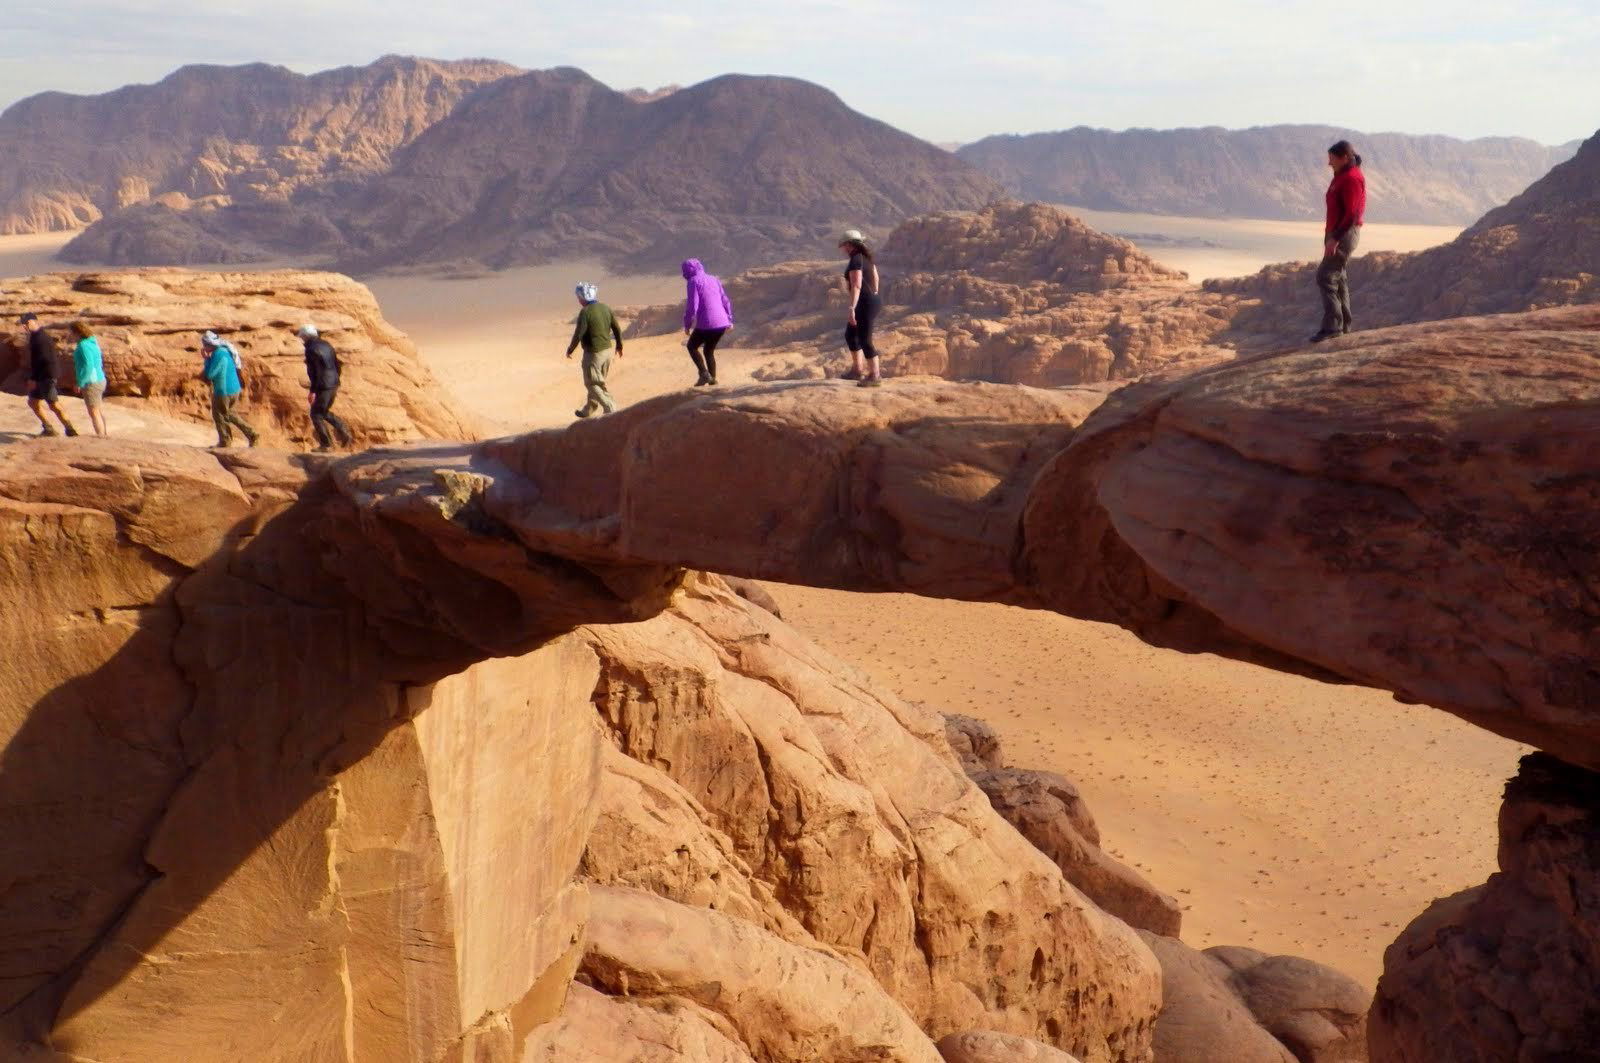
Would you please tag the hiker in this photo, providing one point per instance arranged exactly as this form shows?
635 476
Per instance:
222 369
1347 206
862 274
90 374
42 367
707 317
322 372
597 327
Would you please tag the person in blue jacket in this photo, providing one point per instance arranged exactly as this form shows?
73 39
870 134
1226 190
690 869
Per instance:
89 373
222 369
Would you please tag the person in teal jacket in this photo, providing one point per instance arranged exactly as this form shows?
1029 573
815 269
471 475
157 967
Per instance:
90 373
222 369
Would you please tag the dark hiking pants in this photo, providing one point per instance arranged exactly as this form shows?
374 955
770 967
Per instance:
1334 283
322 417
226 420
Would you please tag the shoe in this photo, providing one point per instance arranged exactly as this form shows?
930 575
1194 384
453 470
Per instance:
1345 331
580 413
321 448
703 381
47 431
871 382
71 431
1321 335
712 381
253 439
850 375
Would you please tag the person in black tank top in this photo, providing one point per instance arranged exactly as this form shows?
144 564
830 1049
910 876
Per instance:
861 275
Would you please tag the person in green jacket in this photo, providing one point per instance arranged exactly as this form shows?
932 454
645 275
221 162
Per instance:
88 368
222 369
597 327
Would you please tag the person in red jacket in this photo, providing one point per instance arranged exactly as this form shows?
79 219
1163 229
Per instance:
1347 206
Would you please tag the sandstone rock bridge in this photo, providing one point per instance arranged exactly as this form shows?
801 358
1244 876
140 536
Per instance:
198 642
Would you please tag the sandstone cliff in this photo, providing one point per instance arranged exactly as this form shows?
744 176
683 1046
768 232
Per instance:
254 132
1013 293
149 324
1265 172
553 164
259 642
1541 249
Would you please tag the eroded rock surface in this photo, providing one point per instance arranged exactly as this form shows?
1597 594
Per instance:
1014 293
988 1047
149 324
1507 970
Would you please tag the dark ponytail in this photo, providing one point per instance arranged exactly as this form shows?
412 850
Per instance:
1345 150
858 247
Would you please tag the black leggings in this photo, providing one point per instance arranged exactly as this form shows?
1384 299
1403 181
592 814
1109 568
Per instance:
858 337
322 416
706 338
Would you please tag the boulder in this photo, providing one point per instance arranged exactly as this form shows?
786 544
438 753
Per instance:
595 1028
1237 1005
975 743
783 1003
983 1046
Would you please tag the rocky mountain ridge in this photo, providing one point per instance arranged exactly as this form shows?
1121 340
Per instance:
1262 172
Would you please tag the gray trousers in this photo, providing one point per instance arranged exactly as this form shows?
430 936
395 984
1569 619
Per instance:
595 368
1334 283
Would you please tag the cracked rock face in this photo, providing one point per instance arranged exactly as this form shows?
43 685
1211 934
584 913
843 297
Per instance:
1507 970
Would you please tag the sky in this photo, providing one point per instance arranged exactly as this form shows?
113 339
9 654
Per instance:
943 70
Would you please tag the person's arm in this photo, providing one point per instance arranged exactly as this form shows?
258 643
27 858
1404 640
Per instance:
727 307
691 308
855 293
616 332
577 331
213 369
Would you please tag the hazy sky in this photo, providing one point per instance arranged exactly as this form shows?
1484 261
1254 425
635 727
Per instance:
940 69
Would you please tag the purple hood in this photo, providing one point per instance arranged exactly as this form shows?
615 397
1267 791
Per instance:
706 305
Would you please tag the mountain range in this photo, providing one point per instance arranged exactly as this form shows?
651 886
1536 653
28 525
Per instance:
1266 172
477 164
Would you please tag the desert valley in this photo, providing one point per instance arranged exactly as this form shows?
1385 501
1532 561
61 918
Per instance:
1126 680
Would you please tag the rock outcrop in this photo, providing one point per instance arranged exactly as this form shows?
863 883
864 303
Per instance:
208 134
1541 249
738 169
984 1046
1264 172
149 324
1014 293
1517 959
222 662
1237 1005
1047 809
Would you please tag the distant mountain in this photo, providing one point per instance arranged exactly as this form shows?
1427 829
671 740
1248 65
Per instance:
257 132
554 164
1266 172
1541 249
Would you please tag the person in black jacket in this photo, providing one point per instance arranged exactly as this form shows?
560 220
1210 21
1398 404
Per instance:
322 370
42 370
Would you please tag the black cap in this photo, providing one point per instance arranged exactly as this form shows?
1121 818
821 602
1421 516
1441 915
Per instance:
25 318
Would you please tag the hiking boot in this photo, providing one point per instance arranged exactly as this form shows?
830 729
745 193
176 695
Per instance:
712 381
1322 335
871 382
320 448
253 439
850 375
47 431
703 381
71 431
580 413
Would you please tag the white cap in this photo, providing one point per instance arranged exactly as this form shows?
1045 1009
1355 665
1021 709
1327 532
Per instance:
307 332
852 236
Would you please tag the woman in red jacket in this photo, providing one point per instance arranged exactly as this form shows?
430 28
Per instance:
1347 205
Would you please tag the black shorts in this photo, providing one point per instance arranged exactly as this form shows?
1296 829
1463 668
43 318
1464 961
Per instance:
44 391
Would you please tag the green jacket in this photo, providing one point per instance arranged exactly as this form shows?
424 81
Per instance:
596 327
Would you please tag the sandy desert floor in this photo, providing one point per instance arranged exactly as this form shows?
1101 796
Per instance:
1285 814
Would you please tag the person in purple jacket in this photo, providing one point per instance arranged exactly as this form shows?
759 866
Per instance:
707 317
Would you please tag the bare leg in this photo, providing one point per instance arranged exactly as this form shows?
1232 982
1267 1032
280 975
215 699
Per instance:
860 363
61 415
97 418
37 406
